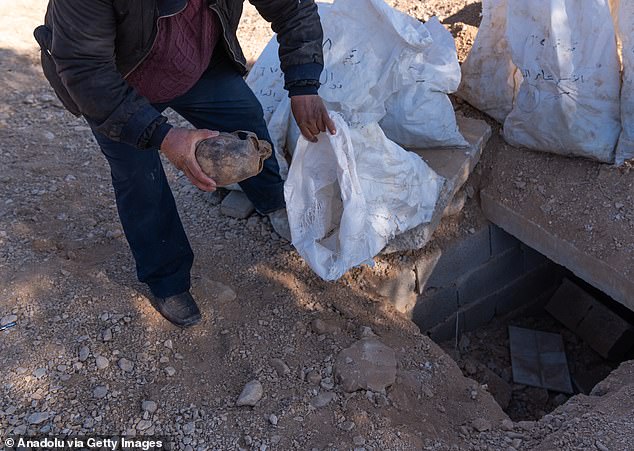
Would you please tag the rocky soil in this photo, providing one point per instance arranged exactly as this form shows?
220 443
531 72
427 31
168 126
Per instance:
282 360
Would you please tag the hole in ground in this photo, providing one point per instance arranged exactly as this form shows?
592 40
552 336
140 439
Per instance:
484 355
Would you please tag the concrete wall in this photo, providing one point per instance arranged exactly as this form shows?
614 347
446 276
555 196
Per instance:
488 273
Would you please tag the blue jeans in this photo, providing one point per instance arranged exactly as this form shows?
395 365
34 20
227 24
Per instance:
221 101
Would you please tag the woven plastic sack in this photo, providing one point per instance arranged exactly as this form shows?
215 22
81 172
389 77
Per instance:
568 102
350 193
489 77
624 15
379 65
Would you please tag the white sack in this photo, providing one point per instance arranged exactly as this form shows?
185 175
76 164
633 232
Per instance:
489 77
348 194
378 61
625 17
568 102
419 113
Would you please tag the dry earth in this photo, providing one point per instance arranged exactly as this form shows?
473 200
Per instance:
88 355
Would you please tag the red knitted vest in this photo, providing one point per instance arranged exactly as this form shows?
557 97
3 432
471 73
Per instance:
180 54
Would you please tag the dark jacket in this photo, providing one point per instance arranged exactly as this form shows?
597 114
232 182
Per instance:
90 46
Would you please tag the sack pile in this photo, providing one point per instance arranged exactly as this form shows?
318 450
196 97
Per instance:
549 70
387 77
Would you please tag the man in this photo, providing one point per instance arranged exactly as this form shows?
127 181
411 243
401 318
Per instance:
121 63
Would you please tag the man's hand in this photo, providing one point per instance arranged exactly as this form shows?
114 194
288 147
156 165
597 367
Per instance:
179 146
311 116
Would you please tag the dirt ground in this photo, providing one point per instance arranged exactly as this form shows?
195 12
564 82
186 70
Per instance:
89 356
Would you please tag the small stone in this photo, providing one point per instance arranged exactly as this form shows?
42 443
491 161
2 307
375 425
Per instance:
84 352
358 440
38 417
273 419
322 399
373 366
327 383
366 332
126 365
507 425
143 425
7 319
189 428
251 394
600 446
102 362
346 426
106 335
280 367
168 344
39 373
100 392
149 406
170 371
313 377
481 425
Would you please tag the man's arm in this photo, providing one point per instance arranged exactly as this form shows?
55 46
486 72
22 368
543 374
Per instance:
83 49
300 35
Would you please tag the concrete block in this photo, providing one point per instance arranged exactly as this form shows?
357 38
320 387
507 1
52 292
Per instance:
501 241
609 278
455 165
532 258
479 313
456 205
237 205
490 276
446 330
399 288
424 268
434 308
570 304
461 257
604 330
528 288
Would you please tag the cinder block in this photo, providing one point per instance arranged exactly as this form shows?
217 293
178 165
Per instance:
237 205
570 304
479 313
501 241
445 330
604 330
432 309
528 288
532 258
490 277
461 257
424 267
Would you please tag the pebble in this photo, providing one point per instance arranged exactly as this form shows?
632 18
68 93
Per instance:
106 335
102 362
7 319
273 419
84 352
322 399
100 391
170 371
507 425
481 425
38 417
149 406
280 367
346 426
251 394
189 428
126 365
313 377
39 373
143 425
358 440
373 366
168 344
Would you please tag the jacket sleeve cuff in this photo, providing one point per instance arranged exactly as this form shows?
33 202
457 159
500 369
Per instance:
311 90
302 72
158 136
141 126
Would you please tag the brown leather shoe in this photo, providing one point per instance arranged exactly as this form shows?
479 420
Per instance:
180 309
